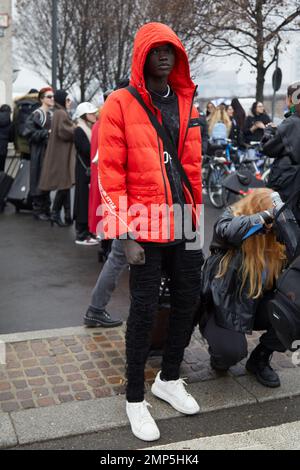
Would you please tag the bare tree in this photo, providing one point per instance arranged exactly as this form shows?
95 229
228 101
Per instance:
251 29
95 37
33 37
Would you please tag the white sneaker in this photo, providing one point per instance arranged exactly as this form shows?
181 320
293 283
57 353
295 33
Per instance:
87 242
174 392
142 424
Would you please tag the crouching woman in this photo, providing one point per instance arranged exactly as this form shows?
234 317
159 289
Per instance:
238 282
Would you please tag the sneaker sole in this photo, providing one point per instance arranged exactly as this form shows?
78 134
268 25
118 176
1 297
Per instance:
162 396
260 380
143 438
91 324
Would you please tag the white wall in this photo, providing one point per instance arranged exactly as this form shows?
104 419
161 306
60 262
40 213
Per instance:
6 57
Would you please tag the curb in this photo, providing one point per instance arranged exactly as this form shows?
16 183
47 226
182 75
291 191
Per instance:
77 418
54 333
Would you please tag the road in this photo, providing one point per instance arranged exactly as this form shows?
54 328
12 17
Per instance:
46 280
217 425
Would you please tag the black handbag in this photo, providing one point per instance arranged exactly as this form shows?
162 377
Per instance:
284 308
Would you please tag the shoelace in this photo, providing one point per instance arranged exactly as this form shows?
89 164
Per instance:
181 383
145 413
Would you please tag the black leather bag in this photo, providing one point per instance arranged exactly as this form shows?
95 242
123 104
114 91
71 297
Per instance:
19 193
284 309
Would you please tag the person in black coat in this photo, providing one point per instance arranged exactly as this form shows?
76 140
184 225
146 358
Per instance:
6 133
283 144
235 135
37 131
256 124
86 115
238 282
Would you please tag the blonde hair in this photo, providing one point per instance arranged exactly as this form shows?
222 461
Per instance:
261 253
220 115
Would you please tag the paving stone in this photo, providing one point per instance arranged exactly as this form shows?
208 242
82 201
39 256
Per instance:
10 406
4 386
20 384
47 361
36 372
52 370
87 366
69 369
74 377
15 374
76 349
24 395
39 382
4 396
82 357
29 363
94 383
91 374
65 359
103 392
27 404
45 402
60 389
55 380
78 386
81 396
40 392
65 398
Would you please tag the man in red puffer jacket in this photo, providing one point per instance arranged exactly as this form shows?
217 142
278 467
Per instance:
138 172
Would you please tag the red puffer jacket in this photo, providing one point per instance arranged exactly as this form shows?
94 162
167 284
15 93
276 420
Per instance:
131 161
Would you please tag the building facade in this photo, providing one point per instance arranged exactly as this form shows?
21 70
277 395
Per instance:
5 52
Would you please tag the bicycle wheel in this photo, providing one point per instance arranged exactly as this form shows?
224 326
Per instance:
215 188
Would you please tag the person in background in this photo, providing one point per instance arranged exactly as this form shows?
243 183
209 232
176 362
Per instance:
256 124
58 172
23 107
238 113
210 109
236 134
220 116
86 116
37 131
6 133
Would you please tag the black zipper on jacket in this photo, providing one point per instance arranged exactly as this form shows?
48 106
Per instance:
165 184
187 129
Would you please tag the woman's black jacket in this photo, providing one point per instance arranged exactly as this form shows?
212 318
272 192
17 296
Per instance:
257 135
233 309
37 131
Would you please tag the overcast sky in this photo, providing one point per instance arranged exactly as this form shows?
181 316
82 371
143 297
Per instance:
28 79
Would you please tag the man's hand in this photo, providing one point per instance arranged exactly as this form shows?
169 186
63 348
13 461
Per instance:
134 253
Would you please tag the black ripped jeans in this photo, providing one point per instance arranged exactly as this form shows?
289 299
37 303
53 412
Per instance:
184 269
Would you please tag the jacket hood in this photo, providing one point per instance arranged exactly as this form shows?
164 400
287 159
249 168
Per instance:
27 98
153 35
